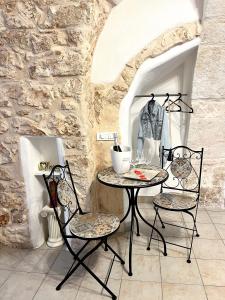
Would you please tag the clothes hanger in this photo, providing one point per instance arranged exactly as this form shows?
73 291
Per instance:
151 102
170 103
190 111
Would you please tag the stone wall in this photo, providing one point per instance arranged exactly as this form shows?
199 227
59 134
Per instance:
45 56
207 127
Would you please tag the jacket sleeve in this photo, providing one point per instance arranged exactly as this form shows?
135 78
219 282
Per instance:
165 137
140 140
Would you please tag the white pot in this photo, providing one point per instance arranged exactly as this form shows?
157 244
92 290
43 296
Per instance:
121 160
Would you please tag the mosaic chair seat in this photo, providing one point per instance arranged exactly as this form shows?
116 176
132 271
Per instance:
74 223
181 191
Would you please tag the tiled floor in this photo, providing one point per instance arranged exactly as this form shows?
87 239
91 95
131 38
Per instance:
34 274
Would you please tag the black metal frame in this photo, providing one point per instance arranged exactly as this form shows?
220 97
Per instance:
63 173
134 210
179 185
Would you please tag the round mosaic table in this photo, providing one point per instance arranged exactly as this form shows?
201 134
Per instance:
111 178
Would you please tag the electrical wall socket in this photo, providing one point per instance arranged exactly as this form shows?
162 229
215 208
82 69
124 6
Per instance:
105 136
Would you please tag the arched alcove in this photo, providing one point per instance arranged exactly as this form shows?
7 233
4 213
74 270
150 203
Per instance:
170 72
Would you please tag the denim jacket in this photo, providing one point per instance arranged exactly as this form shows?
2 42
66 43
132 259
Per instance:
153 123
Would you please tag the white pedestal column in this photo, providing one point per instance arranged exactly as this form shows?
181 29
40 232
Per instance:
55 237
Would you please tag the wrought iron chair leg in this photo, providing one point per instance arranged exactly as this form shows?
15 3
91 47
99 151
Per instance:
192 238
106 245
194 220
157 211
137 223
150 239
116 254
81 262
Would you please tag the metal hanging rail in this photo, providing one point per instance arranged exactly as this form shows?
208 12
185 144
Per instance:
160 95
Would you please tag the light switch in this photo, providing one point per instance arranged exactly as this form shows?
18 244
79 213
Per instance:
105 136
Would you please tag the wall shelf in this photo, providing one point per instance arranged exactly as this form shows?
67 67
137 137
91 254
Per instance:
40 173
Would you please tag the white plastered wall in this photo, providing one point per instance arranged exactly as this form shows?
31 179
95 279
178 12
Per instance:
131 26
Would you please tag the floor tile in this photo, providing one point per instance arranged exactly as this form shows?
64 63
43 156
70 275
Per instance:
215 209
209 249
217 216
10 257
145 268
119 243
140 246
215 292
38 261
140 290
100 263
172 231
177 270
21 286
173 250
148 214
221 229
90 289
48 288
145 202
206 231
183 291
63 263
212 271
4 275
202 217
168 216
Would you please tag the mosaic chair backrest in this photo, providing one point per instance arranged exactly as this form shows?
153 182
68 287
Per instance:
63 195
184 166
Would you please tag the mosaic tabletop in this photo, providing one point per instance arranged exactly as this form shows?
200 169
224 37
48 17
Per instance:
110 177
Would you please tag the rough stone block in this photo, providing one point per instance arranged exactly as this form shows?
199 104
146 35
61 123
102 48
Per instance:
213 177
20 14
214 34
12 200
45 41
5 103
69 88
208 73
16 235
6 113
16 39
63 62
68 104
62 16
215 8
5 174
18 216
4 126
65 125
25 126
4 217
6 156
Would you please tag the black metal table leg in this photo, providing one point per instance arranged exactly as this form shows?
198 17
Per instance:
133 208
131 231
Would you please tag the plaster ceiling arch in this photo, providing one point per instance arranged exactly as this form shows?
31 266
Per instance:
131 26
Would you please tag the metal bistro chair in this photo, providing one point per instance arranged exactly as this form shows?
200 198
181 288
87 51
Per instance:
79 225
184 168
